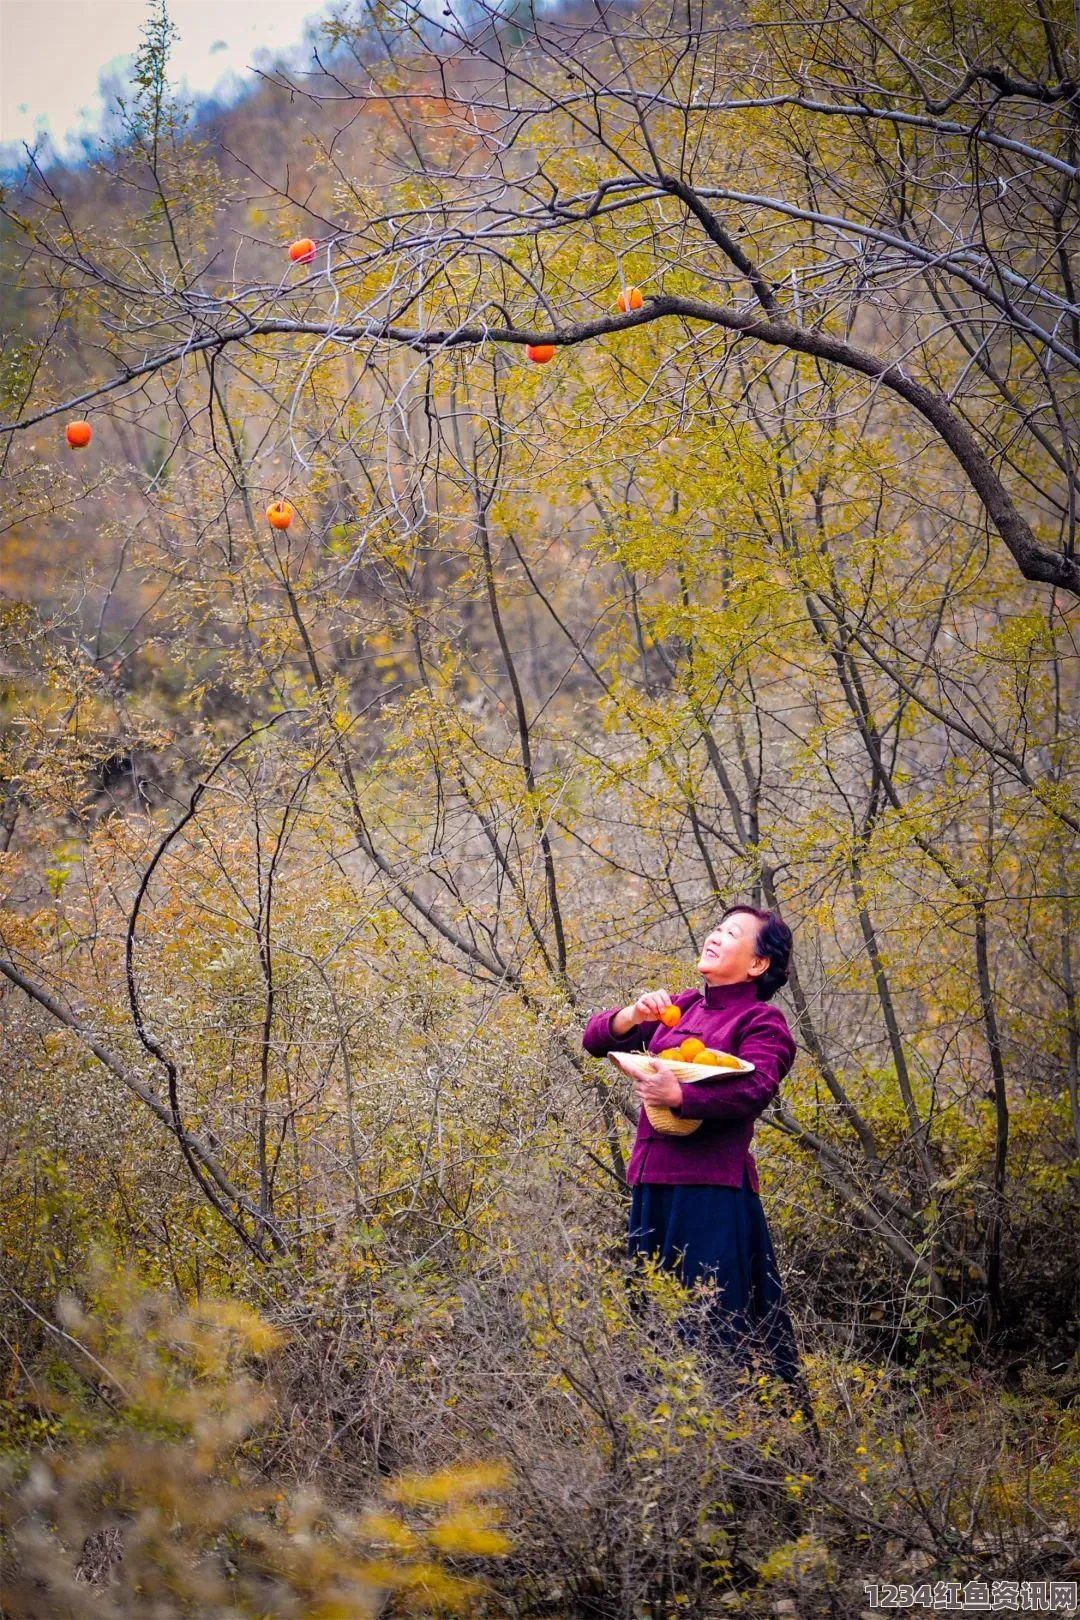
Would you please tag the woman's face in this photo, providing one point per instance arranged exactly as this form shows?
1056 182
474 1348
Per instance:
729 955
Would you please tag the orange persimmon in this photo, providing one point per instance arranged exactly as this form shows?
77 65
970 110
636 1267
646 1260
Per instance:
691 1047
670 1016
279 514
302 251
78 434
539 353
630 298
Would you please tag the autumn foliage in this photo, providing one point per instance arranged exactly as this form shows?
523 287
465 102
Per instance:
321 837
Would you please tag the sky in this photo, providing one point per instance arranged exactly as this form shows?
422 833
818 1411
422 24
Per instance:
55 56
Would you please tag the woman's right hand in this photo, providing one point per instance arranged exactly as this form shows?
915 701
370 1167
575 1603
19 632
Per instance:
650 1005
646 1009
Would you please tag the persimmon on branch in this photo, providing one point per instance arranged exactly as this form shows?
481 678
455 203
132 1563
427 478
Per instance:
1036 562
637 90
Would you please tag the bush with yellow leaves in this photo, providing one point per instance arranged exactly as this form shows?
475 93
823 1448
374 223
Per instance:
144 1497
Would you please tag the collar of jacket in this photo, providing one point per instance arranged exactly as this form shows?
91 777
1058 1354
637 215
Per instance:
729 995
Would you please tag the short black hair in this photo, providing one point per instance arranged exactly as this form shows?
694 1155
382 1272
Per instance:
774 941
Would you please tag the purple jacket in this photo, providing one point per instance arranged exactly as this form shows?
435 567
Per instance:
730 1018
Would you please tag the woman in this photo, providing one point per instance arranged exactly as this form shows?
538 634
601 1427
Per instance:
695 1204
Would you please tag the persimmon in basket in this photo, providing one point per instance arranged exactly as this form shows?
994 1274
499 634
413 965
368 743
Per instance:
717 1060
693 1050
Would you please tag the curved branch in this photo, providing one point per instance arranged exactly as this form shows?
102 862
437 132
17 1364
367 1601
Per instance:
151 1042
1036 562
193 1145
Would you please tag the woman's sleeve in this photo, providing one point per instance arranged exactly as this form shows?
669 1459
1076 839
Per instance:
768 1045
598 1039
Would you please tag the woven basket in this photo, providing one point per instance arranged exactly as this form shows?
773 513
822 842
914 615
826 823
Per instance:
640 1066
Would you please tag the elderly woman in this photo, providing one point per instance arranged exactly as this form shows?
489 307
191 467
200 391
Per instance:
695 1205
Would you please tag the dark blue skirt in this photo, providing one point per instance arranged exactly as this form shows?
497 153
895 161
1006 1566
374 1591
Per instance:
719 1235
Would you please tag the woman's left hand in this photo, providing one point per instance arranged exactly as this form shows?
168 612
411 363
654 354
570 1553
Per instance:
661 1088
